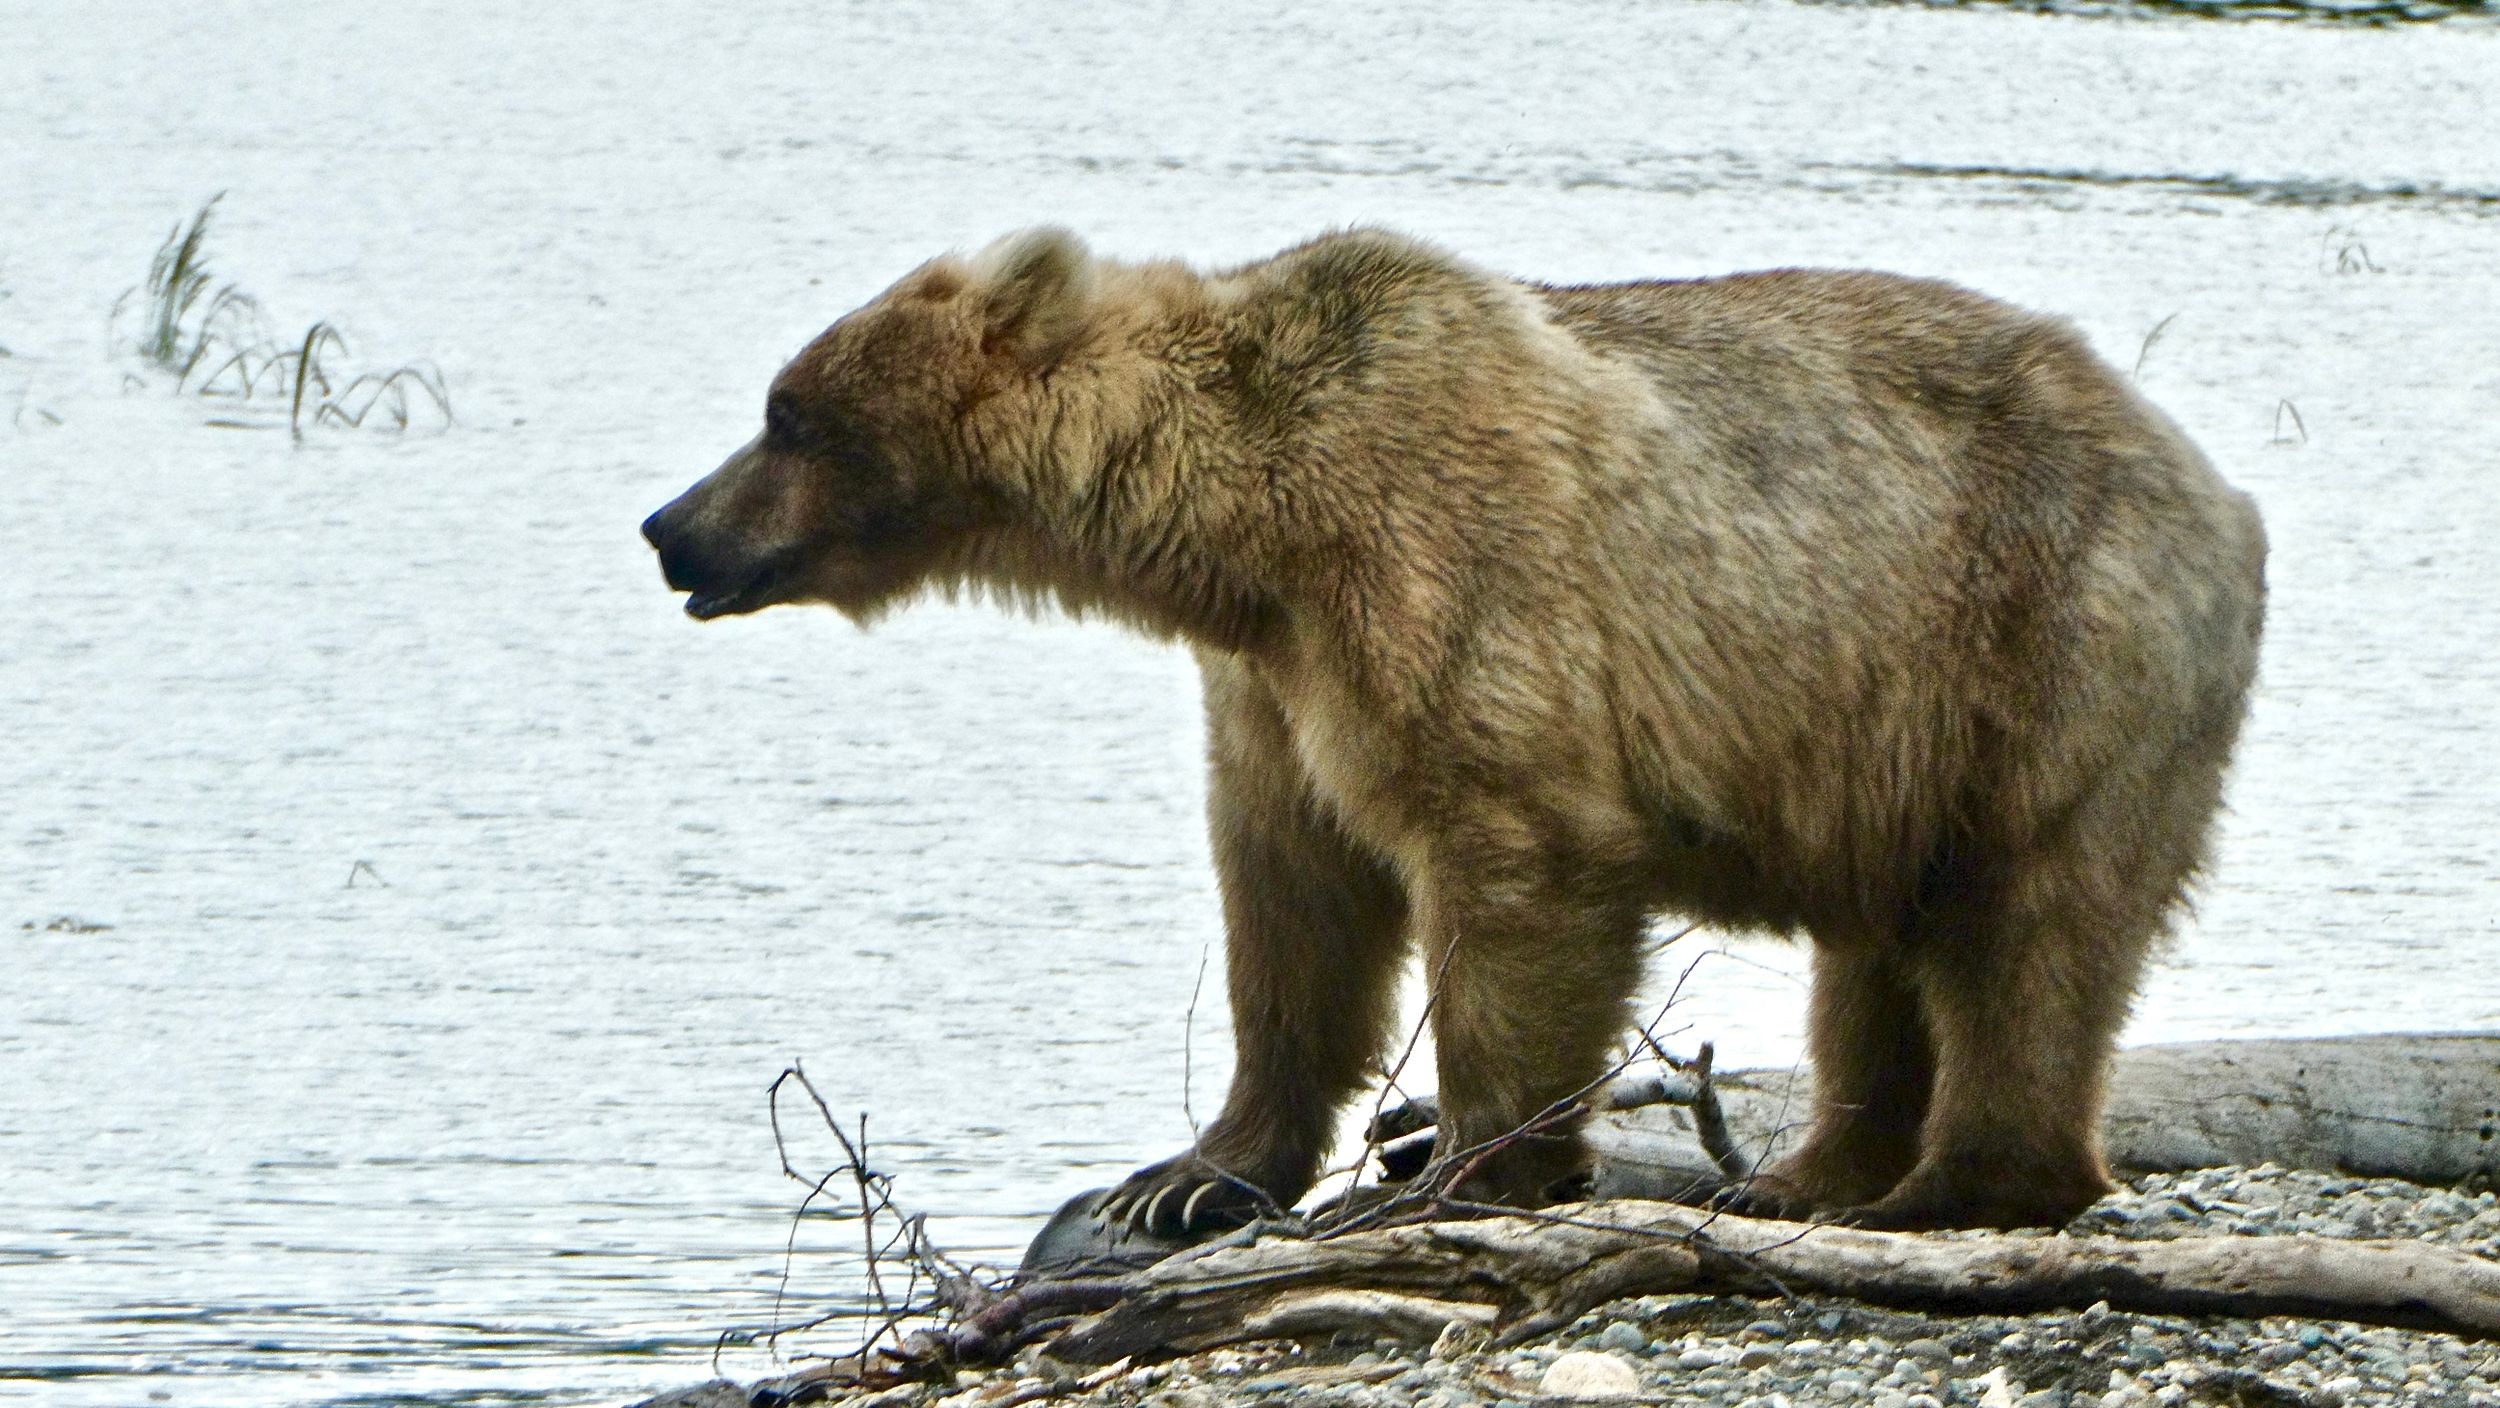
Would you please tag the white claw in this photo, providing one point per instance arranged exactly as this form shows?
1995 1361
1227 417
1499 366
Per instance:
1189 1210
1145 1221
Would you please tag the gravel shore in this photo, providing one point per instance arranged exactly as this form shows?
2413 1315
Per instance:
1814 1351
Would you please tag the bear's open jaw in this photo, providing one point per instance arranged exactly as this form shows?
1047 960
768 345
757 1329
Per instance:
752 595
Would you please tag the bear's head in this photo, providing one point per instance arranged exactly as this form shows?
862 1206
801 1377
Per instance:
895 443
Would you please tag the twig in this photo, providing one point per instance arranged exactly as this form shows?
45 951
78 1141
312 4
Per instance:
1189 1045
1451 1169
2147 349
1373 1129
875 1198
1710 1121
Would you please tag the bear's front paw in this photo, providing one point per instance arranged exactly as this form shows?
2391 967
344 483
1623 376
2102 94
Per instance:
1078 1241
1186 1196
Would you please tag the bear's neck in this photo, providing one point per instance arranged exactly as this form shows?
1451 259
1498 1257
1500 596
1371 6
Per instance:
1171 589
1149 502
1151 525
1158 582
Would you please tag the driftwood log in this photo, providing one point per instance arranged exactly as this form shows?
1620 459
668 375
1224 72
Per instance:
1506 1279
2421 1107
1523 1275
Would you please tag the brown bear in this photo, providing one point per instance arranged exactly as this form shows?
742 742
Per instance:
1842 603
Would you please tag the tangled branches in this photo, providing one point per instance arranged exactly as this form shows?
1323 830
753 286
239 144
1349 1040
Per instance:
908 1279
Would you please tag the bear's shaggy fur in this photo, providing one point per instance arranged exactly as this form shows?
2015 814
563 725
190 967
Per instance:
1836 602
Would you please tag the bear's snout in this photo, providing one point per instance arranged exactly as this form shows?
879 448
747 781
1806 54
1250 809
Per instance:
718 580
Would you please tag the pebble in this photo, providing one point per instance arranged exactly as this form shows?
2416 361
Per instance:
1586 1374
1625 1336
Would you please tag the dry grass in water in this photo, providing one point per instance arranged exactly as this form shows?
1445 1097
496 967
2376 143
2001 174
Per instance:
217 345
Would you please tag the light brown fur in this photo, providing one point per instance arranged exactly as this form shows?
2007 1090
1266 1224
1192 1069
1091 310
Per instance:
1834 602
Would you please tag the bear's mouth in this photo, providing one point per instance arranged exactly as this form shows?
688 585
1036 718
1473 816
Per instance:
754 594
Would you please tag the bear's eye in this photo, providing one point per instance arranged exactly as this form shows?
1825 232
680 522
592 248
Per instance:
782 424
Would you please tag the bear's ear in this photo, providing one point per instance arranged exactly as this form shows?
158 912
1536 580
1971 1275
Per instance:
1035 293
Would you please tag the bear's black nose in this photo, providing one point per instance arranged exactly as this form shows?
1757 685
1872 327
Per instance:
682 562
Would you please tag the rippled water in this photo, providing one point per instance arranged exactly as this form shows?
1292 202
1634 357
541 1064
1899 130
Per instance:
407 908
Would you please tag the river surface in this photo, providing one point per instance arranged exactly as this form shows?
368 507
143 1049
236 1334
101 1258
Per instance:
405 908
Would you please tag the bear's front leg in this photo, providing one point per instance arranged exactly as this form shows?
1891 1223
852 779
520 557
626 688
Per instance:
1531 976
1314 929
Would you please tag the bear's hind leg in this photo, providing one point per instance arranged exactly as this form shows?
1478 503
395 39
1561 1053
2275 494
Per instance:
2026 974
1866 1033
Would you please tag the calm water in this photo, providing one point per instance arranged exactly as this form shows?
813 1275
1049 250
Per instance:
406 908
